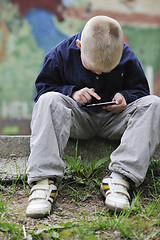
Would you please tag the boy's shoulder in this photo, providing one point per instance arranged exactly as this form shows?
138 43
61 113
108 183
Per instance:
128 56
64 46
128 52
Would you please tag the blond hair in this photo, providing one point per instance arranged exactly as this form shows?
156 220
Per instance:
102 43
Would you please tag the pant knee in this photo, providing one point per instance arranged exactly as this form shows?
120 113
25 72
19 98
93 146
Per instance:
150 100
50 98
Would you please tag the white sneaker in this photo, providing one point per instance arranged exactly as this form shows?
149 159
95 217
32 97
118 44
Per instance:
116 193
42 197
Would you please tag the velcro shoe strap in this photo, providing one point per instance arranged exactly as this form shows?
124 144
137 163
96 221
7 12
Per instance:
113 181
39 187
37 194
52 193
119 190
48 192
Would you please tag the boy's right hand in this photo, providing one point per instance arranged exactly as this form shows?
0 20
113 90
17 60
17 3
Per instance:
85 95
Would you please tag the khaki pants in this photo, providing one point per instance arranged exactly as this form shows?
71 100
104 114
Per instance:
57 117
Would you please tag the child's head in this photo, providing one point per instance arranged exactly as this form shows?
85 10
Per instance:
101 44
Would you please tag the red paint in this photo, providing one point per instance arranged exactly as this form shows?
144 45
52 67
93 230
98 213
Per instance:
126 40
48 5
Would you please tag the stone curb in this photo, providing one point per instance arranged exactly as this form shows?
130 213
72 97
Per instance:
14 152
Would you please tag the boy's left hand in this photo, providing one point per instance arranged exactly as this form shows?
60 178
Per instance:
120 105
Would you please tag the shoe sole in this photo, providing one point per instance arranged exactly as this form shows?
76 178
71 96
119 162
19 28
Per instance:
42 215
113 208
37 215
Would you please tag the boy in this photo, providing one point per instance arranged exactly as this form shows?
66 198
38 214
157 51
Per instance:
93 66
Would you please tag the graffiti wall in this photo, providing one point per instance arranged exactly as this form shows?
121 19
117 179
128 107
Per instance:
30 28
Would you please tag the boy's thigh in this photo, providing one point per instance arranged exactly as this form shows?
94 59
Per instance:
118 123
114 126
82 125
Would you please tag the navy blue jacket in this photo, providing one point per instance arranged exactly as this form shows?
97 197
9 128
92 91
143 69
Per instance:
63 72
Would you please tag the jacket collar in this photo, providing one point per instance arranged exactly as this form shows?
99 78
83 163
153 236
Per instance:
73 44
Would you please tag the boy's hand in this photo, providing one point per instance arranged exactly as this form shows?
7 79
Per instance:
120 104
85 95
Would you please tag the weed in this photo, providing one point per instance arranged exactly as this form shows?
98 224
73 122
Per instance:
15 177
24 178
83 170
13 231
3 208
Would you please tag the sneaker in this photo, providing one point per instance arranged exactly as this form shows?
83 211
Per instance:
116 193
42 196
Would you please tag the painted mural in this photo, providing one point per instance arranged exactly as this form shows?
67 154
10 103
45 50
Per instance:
30 28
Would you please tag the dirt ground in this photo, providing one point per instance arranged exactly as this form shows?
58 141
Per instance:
64 209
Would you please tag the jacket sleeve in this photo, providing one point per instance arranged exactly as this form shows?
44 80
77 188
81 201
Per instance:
135 82
51 78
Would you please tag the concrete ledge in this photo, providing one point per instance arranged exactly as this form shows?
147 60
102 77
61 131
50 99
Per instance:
14 146
14 152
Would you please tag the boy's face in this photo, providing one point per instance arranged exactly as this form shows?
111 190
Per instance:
84 62
89 68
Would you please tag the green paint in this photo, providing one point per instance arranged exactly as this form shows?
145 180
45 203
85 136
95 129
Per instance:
69 26
19 70
145 42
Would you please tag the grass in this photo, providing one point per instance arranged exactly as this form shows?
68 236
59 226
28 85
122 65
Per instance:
82 180
8 228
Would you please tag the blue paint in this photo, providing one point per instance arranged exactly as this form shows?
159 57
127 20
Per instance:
43 29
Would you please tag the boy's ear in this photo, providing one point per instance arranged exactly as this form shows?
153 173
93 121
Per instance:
78 42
